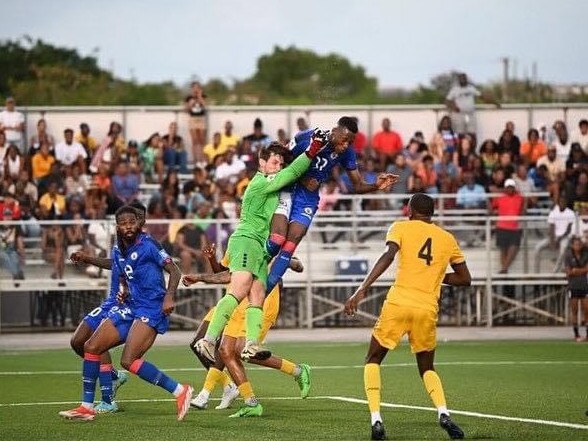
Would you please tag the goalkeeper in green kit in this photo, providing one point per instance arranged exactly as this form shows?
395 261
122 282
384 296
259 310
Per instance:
248 258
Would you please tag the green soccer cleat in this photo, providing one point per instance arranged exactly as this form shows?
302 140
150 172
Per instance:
103 407
123 377
303 380
248 411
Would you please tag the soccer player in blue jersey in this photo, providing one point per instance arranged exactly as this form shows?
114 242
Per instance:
141 260
290 224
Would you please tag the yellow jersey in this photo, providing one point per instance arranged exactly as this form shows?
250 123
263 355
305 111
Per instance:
425 251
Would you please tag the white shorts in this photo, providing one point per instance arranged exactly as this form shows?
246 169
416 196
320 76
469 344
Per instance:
284 204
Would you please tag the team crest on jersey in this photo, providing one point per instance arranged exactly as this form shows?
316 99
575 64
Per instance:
134 255
145 319
334 155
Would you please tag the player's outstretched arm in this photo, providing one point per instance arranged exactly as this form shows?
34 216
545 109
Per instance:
220 278
383 181
82 258
172 285
459 277
381 265
209 252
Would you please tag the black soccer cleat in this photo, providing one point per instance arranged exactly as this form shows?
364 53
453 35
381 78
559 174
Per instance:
450 427
378 431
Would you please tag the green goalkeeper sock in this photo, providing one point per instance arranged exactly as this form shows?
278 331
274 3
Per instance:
254 321
222 313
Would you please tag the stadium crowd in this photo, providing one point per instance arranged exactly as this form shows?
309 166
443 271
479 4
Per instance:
74 176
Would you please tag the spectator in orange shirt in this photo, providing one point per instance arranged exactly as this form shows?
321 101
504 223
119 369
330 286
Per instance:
386 143
533 148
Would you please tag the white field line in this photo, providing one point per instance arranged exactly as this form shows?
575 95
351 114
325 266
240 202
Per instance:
335 367
334 398
472 414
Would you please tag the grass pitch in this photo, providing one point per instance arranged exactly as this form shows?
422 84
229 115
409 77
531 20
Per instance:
497 390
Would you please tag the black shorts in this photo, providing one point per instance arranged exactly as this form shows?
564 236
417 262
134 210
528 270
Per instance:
578 293
508 238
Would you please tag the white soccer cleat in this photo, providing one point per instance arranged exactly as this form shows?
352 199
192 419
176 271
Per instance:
206 349
254 351
230 394
200 402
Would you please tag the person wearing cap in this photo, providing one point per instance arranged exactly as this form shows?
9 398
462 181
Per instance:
12 123
508 231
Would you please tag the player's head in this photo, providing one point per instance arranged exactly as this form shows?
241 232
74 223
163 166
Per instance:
271 159
128 223
344 133
421 206
141 209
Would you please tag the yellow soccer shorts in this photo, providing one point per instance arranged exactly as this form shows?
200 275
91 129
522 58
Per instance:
397 320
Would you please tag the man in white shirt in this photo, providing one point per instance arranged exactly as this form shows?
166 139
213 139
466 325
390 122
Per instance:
69 151
461 102
13 125
560 220
562 141
581 135
230 168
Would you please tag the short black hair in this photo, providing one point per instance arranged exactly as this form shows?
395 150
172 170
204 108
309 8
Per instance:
349 123
276 148
533 132
257 123
583 122
68 130
138 205
126 209
422 204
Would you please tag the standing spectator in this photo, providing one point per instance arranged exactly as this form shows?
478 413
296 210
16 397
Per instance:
195 105
215 148
508 232
230 167
125 185
560 222
387 143
39 137
533 148
461 102
562 141
228 138
12 123
88 142
508 141
13 162
70 152
576 269
581 135
11 244
174 153
258 140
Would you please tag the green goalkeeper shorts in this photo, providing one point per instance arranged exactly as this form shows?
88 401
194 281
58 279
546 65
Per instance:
247 254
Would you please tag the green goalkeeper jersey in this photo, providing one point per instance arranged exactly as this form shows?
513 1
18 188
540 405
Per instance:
261 199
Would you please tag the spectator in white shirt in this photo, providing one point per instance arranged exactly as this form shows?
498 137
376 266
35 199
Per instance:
69 151
560 221
13 125
581 135
562 141
230 168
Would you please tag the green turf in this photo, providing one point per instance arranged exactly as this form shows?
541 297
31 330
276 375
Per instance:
555 392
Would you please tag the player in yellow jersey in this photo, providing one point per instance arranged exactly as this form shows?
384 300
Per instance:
411 307
234 339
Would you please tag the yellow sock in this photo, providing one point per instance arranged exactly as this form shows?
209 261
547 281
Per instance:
434 388
212 377
225 379
246 390
287 367
373 385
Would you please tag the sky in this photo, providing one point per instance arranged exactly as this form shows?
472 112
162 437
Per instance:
402 43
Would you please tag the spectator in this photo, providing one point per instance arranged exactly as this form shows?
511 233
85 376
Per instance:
42 162
226 199
24 189
561 142
580 194
581 135
170 192
230 167
360 142
505 162
203 216
228 138
387 143
447 135
496 184
214 148
242 183
13 162
11 244
461 103
100 232
88 142
198 189
3 148
576 163
190 239
560 222
509 142
70 152
111 147
134 158
195 105
174 153
404 172
95 202
580 225
508 232
555 170
525 184
151 152
426 171
76 183
471 195
125 185
39 137
258 140
447 173
462 158
533 148
9 206
489 155
413 154
576 268
178 220
12 123
302 124
282 138
52 201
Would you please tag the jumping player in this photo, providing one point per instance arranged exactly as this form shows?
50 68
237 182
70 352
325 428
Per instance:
411 307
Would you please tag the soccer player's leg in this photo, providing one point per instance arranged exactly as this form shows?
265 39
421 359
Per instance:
200 333
230 356
254 318
140 339
423 340
104 338
279 224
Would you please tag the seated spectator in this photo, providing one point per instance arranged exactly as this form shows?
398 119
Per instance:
40 137
577 162
560 222
525 184
3 148
533 148
215 148
178 220
228 138
413 154
243 180
480 176
52 201
151 152
175 155
102 179
404 183
330 201
76 183
24 189
69 152
448 135
95 202
133 158
189 242
447 173
561 141
580 193
540 177
489 155
471 195
302 124
230 167
426 171
555 170
100 232
581 135
9 206
219 233
11 244
509 142
203 215
110 149
505 162
125 185
247 156
496 184
226 199
13 162
197 190
437 148
258 140
580 225
462 158
387 143
42 162
88 142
